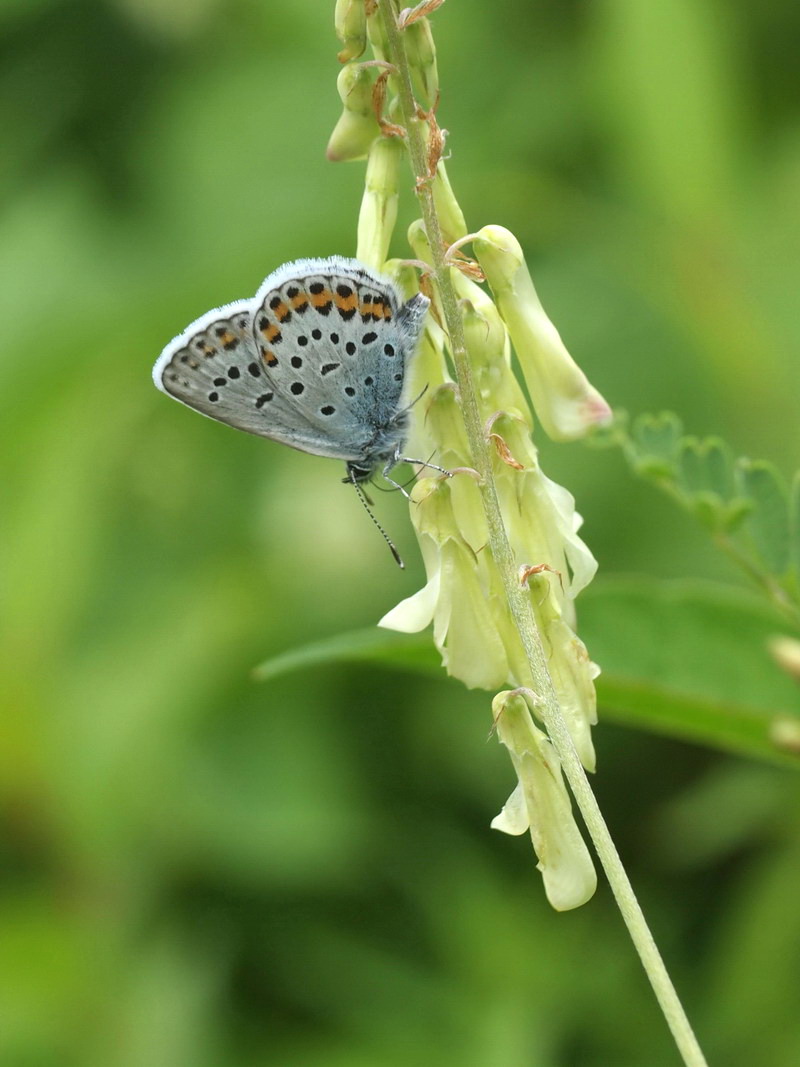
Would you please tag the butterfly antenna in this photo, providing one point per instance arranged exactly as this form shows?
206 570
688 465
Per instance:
363 498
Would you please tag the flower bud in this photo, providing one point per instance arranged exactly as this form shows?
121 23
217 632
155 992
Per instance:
487 344
567 405
426 374
573 675
357 127
350 21
378 212
451 217
540 803
446 424
421 53
376 32
418 239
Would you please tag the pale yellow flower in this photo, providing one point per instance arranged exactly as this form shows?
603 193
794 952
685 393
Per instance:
568 406
540 804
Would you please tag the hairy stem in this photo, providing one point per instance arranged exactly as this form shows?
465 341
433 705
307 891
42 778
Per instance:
518 601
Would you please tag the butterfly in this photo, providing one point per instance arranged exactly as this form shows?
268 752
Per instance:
316 360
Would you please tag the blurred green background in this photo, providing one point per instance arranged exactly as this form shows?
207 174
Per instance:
201 872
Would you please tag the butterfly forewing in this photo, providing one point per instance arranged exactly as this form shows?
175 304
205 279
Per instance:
330 339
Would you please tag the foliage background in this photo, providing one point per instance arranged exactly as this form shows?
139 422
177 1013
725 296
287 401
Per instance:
201 871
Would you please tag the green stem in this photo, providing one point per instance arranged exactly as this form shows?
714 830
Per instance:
776 593
518 601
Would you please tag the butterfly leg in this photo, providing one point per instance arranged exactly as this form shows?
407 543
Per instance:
423 463
391 481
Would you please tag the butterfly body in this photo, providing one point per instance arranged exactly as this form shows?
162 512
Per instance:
316 360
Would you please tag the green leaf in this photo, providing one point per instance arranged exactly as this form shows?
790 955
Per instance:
386 647
691 475
706 479
718 467
686 660
654 444
690 660
768 521
705 467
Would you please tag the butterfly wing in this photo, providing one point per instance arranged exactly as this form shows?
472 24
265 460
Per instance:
215 367
316 360
332 335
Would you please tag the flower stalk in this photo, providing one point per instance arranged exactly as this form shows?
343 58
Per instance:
498 546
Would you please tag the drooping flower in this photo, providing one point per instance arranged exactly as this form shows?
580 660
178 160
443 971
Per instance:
566 403
541 804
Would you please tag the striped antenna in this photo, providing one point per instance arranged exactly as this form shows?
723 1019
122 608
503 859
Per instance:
362 497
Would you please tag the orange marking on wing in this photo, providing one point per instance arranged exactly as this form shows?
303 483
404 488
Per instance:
227 337
321 299
346 303
269 357
270 331
300 301
281 312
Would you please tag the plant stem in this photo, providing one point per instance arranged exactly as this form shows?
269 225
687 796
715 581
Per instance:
776 593
518 601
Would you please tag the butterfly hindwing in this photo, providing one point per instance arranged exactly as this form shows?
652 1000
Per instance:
215 368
